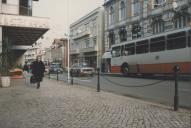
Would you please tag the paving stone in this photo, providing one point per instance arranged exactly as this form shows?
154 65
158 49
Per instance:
59 105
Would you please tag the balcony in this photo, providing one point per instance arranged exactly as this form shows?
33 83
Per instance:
81 34
74 51
168 6
92 49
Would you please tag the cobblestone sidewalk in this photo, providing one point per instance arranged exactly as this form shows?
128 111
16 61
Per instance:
58 105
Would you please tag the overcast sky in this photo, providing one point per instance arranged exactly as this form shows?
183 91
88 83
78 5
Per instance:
62 13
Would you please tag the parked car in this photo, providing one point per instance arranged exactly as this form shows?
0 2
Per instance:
82 69
54 68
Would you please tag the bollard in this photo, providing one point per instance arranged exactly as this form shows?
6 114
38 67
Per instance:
98 80
57 74
176 77
71 74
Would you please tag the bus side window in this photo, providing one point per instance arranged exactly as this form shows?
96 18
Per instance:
142 47
116 51
130 49
123 51
113 53
157 44
176 41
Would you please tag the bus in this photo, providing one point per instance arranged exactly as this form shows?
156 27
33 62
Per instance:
157 54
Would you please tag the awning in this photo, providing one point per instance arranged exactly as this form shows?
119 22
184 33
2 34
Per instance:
106 55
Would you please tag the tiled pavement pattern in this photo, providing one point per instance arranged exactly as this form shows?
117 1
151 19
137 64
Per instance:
58 105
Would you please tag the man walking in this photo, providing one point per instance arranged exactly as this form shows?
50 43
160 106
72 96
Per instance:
38 70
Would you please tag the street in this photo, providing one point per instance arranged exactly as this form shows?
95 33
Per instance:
61 105
161 92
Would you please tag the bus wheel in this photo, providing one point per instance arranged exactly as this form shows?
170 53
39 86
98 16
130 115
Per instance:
125 69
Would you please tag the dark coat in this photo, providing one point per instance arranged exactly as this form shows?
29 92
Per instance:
38 70
26 68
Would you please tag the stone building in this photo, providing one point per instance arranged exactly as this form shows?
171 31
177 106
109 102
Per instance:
86 39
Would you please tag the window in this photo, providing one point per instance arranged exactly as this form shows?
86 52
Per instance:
87 43
116 51
189 38
111 15
158 26
122 10
111 38
94 41
158 3
181 21
4 1
176 41
136 31
122 34
136 8
142 47
157 44
129 49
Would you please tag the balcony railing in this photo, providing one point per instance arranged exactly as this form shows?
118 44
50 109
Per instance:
168 6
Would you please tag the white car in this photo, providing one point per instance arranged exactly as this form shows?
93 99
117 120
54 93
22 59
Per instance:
82 69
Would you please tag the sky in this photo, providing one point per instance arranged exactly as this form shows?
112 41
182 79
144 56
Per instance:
62 13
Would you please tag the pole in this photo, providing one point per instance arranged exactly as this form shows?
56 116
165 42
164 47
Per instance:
98 80
68 59
176 97
71 73
57 74
68 41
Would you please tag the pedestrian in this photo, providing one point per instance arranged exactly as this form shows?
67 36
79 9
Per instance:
25 69
38 70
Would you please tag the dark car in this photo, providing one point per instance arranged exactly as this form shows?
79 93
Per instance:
82 69
54 68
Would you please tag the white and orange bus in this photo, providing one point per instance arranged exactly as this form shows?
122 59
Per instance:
157 54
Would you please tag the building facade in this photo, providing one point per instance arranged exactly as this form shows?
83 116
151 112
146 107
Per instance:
129 20
58 52
126 20
86 39
19 29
